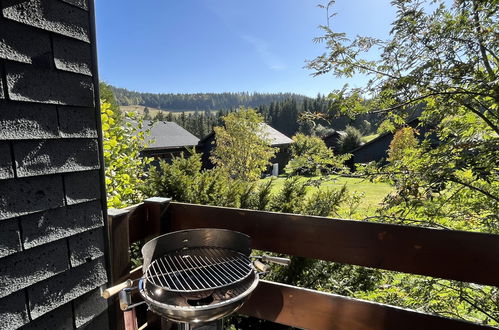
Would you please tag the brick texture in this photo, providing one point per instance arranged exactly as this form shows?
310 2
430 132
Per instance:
55 156
72 55
88 307
21 270
2 96
29 83
51 15
51 213
80 187
25 44
13 311
77 122
6 169
24 196
79 3
10 237
60 319
100 322
28 121
65 287
45 227
86 247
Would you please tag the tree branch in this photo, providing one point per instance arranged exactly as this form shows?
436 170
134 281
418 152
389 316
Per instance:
483 53
481 115
486 193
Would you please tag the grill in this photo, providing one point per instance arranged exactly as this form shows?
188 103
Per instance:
198 275
195 276
199 269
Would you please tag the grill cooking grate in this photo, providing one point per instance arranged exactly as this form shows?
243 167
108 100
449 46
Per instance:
196 269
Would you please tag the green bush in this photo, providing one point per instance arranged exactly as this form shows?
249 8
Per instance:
350 140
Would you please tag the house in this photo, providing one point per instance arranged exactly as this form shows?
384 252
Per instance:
277 140
167 139
377 149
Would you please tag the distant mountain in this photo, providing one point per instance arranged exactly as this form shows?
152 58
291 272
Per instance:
200 101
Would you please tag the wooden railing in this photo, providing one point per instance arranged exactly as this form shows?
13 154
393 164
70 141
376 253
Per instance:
463 256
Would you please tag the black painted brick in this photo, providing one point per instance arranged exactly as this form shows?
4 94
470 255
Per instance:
50 15
45 227
77 122
10 237
79 3
21 270
58 319
55 156
100 322
25 196
22 43
13 311
27 121
33 84
72 55
60 289
82 186
86 247
2 96
88 307
6 170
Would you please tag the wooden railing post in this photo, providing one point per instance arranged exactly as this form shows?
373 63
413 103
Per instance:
156 221
119 257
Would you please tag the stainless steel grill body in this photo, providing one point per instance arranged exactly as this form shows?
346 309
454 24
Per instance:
197 275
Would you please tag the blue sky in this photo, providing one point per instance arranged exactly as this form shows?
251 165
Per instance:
225 45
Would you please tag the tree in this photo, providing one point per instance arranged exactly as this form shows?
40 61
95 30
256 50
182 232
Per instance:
404 141
311 156
241 147
441 61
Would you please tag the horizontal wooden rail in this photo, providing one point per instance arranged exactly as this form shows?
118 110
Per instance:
311 309
463 256
470 257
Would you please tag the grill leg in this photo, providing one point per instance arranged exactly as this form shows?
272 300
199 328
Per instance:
216 325
130 319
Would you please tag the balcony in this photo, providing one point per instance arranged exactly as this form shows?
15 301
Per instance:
463 256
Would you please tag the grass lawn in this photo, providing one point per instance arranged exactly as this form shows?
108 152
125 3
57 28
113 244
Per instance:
369 203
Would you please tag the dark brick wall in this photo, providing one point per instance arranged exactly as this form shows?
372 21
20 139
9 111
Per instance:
52 242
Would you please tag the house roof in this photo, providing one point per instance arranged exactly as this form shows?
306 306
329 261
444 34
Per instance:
276 138
168 135
413 122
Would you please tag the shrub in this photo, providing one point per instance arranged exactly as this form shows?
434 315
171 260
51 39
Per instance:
350 140
124 168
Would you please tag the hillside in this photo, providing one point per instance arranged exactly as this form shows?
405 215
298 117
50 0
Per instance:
199 101
140 109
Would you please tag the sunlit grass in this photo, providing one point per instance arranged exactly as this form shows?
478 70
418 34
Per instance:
373 193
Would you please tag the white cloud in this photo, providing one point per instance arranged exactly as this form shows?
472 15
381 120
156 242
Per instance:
270 59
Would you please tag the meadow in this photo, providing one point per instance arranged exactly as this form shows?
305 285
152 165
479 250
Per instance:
371 194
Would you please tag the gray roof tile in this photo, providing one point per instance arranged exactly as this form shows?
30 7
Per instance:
169 135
